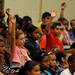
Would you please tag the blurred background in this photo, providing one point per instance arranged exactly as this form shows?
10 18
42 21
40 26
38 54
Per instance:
34 8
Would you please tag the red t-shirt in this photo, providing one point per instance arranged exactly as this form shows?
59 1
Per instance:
53 42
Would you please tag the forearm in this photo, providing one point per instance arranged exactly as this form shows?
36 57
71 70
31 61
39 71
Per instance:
62 13
13 38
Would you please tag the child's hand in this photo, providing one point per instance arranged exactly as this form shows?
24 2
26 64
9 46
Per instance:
53 13
12 18
8 11
63 5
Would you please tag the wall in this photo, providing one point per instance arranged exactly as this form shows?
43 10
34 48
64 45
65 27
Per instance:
34 8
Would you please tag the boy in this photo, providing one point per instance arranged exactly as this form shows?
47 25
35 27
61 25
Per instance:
71 69
53 35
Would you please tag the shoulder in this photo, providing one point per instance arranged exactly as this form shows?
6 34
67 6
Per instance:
65 72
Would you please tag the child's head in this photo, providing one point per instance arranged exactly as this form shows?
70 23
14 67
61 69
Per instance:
44 59
71 62
64 22
46 18
20 39
27 19
30 68
72 22
62 58
33 31
56 27
52 60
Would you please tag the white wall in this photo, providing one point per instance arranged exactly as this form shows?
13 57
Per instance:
32 7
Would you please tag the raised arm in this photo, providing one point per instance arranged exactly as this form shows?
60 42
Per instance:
63 5
11 30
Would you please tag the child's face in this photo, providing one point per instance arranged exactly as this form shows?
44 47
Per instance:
35 34
52 61
47 20
45 61
21 40
65 23
57 30
35 70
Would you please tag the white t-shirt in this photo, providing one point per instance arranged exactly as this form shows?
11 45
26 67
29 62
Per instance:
65 72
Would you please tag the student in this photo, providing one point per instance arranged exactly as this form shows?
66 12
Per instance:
62 59
30 68
20 55
52 66
72 30
65 36
26 20
53 42
71 69
46 19
18 52
44 63
31 44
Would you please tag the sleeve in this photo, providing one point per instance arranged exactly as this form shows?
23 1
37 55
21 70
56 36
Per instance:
24 52
16 56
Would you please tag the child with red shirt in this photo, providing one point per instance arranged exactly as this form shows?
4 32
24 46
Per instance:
53 41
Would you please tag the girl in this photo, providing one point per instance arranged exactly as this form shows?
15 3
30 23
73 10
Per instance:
30 68
20 55
44 63
32 42
18 51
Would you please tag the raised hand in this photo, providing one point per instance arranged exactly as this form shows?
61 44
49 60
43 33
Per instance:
53 13
8 11
63 5
12 18
11 30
